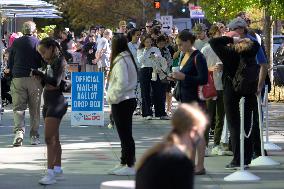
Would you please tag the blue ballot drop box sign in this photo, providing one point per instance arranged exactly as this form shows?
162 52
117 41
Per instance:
87 98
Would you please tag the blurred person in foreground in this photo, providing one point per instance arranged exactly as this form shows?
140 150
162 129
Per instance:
169 164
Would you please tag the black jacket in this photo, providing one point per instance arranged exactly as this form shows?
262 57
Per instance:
228 55
196 73
23 56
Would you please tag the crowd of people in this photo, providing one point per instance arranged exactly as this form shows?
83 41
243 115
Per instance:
144 69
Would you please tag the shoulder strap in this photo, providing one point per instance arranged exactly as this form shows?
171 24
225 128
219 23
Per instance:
195 57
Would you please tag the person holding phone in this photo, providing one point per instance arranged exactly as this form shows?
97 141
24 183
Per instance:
149 80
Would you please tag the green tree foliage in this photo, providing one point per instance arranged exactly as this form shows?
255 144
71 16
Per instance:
274 7
47 31
84 13
225 10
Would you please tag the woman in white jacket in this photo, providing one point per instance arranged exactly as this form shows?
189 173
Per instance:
121 96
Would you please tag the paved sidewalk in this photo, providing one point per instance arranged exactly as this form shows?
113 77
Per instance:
88 152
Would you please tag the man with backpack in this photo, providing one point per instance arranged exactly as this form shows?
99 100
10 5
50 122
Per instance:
244 71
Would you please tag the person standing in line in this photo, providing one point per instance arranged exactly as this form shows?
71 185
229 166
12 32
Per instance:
232 52
90 52
55 105
103 51
161 44
193 72
121 95
215 106
169 164
66 38
25 90
149 80
149 26
199 31
122 27
133 46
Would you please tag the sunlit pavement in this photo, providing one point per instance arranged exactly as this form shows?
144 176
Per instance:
88 152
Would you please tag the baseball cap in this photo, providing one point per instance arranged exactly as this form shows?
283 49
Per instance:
131 25
157 22
236 23
198 28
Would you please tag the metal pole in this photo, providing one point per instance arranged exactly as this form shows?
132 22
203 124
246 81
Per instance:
266 113
260 124
242 134
1 63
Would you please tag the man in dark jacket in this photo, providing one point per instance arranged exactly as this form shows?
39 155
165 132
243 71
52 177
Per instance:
26 90
231 59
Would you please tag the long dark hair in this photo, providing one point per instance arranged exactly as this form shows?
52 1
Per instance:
119 45
186 35
50 42
143 39
131 33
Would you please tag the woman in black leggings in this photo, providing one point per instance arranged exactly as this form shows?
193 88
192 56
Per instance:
55 106
121 96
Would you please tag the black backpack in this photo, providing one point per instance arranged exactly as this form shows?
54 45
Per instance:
245 81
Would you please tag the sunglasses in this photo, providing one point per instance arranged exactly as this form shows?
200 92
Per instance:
149 26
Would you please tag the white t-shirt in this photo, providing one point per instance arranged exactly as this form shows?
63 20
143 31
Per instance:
199 44
133 47
212 59
104 60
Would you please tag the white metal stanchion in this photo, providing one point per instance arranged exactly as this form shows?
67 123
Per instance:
118 184
268 145
262 160
242 174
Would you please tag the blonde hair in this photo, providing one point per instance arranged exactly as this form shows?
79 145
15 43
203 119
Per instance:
107 32
243 45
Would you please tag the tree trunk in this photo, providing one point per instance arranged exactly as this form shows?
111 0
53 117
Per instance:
268 29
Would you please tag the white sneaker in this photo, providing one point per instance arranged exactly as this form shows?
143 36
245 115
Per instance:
125 171
59 175
117 167
35 140
18 140
149 118
110 126
215 150
225 153
48 179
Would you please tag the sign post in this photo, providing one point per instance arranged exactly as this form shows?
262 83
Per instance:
87 98
167 24
196 12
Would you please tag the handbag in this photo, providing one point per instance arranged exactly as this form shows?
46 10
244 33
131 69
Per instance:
208 91
177 91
